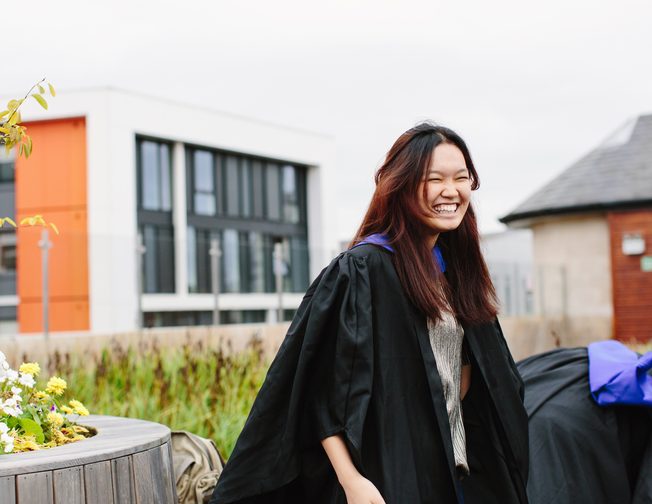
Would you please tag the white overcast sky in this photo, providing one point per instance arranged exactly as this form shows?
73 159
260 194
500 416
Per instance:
530 86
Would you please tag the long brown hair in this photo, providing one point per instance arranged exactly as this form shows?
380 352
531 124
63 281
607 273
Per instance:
397 212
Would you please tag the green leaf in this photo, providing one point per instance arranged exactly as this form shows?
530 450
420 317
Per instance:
40 100
3 113
13 105
29 146
12 422
41 89
52 92
31 427
31 409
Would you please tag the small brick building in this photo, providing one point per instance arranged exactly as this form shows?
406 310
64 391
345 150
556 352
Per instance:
592 238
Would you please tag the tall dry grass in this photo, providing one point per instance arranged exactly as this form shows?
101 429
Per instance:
205 391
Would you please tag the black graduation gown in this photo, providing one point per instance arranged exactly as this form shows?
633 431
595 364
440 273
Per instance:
581 452
357 361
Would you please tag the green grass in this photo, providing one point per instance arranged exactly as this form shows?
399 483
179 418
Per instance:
193 388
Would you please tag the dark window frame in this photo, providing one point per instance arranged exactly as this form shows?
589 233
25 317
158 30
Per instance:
160 220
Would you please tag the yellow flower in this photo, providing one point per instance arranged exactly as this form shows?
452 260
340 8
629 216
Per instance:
67 410
56 386
78 408
31 368
56 419
40 395
25 443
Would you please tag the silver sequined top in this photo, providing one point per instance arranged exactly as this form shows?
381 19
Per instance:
446 338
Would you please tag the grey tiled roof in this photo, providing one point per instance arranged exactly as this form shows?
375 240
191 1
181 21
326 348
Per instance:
618 173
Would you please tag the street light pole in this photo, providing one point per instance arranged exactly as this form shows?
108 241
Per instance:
140 253
45 245
215 252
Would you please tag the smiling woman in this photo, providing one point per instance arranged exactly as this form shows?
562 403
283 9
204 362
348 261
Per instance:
394 383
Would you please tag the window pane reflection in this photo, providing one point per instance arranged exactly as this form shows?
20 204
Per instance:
258 185
232 192
230 261
192 260
245 187
290 195
158 268
150 182
203 164
204 183
256 262
273 192
155 176
165 177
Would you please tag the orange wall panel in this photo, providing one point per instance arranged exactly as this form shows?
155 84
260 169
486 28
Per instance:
63 315
52 182
55 173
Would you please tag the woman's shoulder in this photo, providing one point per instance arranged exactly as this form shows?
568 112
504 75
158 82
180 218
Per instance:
368 252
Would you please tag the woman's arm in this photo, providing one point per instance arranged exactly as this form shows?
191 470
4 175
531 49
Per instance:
358 489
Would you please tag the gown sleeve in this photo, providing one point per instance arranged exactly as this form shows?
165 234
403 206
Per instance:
318 385
516 375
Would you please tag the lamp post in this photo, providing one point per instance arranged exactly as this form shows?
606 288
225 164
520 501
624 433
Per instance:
215 252
140 253
45 245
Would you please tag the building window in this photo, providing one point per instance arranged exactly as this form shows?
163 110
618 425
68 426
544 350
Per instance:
154 172
290 194
191 318
6 165
204 183
298 274
7 234
245 187
254 259
273 192
7 263
258 189
155 176
199 260
248 203
231 252
158 262
232 185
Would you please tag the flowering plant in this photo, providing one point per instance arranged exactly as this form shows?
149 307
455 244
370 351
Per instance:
32 419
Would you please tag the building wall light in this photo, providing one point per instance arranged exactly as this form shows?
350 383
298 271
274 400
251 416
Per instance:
633 244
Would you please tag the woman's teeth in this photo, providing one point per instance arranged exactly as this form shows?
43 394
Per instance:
445 208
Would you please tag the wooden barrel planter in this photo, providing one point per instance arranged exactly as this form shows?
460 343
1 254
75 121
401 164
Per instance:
127 461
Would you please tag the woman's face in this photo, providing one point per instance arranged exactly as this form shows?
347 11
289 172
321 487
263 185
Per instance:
447 188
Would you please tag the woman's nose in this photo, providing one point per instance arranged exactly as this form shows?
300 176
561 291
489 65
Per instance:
450 189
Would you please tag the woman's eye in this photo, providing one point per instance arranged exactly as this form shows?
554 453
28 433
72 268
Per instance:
434 180
462 178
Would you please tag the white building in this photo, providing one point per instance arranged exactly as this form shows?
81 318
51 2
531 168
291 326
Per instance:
110 164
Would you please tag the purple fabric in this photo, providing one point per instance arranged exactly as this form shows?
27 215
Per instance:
617 375
383 241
